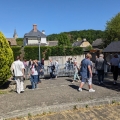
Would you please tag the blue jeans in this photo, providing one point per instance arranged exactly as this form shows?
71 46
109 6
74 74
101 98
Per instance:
34 81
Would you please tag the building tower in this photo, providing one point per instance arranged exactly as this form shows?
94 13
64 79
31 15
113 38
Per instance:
15 34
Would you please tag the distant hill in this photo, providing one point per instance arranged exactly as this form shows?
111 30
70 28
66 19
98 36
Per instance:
90 35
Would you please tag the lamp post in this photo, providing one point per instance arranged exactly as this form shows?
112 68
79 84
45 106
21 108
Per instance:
39 40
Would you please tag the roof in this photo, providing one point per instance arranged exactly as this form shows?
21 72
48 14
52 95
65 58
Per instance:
113 47
52 43
97 42
77 43
12 41
35 34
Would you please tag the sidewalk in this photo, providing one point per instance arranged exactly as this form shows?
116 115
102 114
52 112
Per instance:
57 95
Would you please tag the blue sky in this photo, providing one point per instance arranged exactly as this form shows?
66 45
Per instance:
55 16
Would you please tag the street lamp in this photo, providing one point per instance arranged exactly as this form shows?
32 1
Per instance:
39 41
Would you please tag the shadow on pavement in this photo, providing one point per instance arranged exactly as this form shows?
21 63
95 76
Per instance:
77 87
70 80
29 86
108 83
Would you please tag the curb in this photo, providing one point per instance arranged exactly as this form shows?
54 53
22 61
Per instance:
58 108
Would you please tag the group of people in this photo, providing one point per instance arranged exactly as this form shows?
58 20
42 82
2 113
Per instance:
34 69
86 67
82 73
53 68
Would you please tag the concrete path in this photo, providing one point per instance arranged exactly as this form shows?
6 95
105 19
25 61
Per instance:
57 95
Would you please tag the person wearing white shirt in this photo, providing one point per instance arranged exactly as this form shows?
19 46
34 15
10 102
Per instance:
18 68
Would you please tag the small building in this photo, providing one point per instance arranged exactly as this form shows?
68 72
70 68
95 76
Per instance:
97 44
52 43
82 43
111 49
34 36
12 41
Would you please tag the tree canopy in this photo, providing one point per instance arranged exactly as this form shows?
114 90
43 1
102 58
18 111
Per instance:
112 31
63 40
90 35
6 59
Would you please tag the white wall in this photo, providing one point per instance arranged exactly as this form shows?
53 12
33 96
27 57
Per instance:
43 40
35 41
32 42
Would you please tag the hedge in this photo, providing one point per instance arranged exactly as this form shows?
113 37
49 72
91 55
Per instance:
16 51
32 52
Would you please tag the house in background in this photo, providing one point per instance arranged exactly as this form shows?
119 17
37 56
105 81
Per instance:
111 49
12 41
52 43
82 43
97 44
34 36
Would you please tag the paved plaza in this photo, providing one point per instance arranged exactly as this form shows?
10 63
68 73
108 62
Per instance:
57 95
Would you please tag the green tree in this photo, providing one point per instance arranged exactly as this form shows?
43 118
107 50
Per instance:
6 59
112 32
19 41
63 40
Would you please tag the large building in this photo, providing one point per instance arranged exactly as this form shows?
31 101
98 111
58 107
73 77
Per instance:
34 37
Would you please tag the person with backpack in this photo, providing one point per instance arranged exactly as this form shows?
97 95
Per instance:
99 65
52 69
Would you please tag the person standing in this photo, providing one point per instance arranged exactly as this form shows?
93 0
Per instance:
56 68
34 75
39 70
99 65
114 67
86 73
42 63
76 73
51 68
18 68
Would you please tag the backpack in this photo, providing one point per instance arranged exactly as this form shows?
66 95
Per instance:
53 67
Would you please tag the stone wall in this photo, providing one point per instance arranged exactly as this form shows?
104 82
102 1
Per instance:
63 59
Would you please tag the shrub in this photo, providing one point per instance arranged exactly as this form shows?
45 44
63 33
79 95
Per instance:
16 51
32 52
6 59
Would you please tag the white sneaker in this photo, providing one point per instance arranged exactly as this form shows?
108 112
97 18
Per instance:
80 89
91 90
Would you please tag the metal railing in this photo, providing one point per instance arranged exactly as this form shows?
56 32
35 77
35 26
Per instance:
62 70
